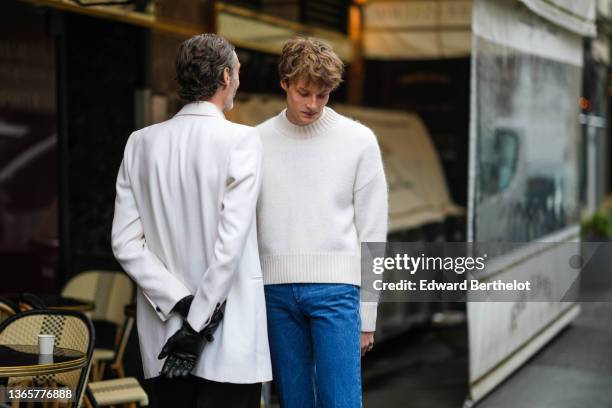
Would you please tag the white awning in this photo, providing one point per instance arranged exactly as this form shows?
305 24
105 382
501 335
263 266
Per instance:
501 22
577 16
436 29
262 32
417 29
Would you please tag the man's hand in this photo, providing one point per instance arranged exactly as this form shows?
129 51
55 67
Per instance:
367 342
185 346
182 350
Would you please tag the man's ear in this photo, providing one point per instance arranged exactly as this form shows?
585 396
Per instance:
284 84
226 76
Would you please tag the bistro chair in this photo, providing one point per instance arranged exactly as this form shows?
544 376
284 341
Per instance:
117 391
110 291
72 330
115 357
8 308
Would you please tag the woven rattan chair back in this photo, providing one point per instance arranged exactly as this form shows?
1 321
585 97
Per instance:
72 330
109 290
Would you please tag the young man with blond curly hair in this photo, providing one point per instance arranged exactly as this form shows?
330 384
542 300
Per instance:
323 192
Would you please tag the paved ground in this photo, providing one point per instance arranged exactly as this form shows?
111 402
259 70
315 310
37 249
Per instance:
429 368
574 370
424 369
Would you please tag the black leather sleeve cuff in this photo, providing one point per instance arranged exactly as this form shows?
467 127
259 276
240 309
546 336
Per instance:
216 318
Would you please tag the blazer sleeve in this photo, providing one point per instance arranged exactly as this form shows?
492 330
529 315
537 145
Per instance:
159 286
236 219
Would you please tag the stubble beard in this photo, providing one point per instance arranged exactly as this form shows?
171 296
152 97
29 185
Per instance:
229 102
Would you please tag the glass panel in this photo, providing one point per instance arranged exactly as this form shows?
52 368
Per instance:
527 144
29 240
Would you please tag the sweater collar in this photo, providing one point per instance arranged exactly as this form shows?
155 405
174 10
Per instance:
202 108
323 124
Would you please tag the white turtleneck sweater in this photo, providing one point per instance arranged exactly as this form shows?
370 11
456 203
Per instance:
323 193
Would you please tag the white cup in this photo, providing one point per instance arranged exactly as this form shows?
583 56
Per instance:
45 343
45 359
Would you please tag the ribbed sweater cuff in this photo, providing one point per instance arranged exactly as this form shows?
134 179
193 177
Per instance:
311 268
367 312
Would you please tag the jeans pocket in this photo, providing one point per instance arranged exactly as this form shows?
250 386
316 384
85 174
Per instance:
348 291
335 293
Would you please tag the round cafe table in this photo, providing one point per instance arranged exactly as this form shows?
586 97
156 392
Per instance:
54 302
24 361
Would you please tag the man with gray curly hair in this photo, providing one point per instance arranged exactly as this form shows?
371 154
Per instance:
184 230
200 66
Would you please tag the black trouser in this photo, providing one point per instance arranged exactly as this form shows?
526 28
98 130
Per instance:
195 392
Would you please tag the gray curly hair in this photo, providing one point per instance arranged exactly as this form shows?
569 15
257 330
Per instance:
200 63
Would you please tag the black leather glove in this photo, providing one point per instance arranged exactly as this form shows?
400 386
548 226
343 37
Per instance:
185 346
183 305
182 350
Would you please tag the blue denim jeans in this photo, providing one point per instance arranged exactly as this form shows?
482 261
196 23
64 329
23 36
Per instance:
314 332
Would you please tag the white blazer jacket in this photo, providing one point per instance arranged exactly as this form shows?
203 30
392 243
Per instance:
185 224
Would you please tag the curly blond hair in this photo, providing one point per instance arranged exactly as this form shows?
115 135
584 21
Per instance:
312 60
